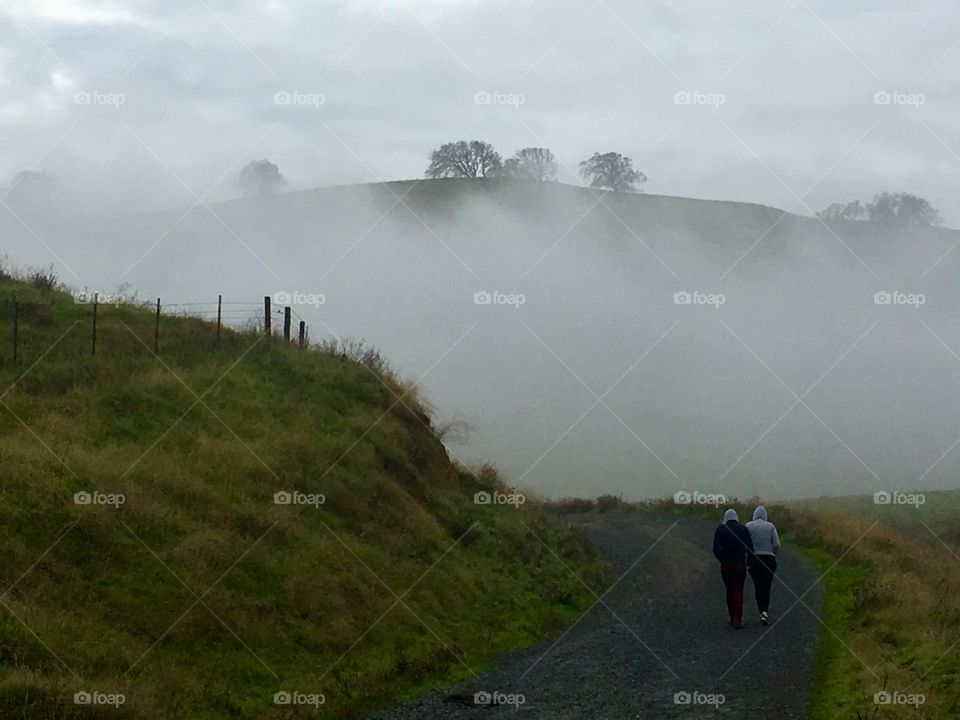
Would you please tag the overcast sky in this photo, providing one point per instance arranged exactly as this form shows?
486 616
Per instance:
144 99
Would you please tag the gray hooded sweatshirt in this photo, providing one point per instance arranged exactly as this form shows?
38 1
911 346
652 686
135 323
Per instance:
763 533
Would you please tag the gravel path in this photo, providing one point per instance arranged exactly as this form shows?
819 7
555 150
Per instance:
660 631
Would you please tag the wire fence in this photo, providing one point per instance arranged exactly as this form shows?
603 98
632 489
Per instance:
116 325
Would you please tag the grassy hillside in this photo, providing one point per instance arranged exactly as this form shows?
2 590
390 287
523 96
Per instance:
199 596
936 518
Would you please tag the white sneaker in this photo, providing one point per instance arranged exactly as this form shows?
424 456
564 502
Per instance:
764 618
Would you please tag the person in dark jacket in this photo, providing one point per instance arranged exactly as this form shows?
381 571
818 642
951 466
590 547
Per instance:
732 545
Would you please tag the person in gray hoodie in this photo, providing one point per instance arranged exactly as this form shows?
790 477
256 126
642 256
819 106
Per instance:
763 559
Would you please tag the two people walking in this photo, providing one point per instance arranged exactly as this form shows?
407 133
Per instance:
746 548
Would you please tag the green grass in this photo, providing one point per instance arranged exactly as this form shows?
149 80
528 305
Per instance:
836 690
939 514
292 597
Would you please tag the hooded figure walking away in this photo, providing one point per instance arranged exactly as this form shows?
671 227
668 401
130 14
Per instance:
763 563
731 546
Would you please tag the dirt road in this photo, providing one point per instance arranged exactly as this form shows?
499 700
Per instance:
657 644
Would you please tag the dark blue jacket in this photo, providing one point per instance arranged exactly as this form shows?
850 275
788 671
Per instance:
731 543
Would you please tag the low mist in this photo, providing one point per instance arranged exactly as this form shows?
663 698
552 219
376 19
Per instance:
595 342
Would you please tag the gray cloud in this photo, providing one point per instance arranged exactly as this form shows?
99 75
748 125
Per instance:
399 78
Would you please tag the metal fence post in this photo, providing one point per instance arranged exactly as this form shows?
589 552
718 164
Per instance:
156 331
266 316
16 325
93 346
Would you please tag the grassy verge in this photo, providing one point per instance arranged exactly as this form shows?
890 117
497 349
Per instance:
202 596
890 603
836 678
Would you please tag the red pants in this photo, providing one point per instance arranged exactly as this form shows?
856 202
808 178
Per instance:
733 577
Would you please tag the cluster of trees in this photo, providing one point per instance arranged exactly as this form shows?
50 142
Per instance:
608 171
886 208
478 159
611 171
261 177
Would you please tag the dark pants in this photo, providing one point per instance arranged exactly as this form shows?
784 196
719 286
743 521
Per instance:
762 568
733 577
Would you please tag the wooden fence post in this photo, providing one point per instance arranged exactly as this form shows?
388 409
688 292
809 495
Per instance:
93 346
266 316
156 331
16 323
303 333
219 313
286 324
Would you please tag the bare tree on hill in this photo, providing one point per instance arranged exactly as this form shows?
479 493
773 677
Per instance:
612 171
888 209
531 163
261 177
474 159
